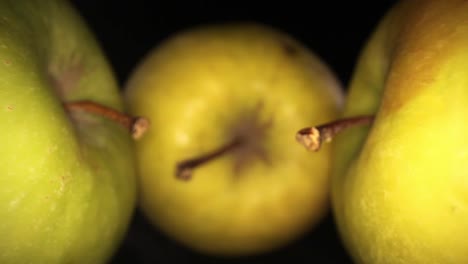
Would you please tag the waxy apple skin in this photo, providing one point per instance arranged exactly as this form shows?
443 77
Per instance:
67 186
400 186
207 85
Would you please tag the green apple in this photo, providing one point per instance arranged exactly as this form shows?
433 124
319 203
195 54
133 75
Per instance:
400 186
67 179
224 101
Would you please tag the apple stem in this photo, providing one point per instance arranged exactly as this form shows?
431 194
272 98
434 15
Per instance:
184 169
313 137
137 126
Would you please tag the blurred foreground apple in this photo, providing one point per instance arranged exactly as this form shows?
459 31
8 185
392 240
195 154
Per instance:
219 170
400 182
67 174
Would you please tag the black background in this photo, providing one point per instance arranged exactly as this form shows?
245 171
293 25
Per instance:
334 30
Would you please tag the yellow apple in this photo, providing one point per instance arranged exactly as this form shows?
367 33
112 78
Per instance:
225 99
400 185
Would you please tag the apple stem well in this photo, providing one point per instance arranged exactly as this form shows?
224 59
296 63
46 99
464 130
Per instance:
137 126
185 168
312 138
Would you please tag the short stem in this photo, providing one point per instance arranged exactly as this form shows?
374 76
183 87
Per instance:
313 137
184 169
137 126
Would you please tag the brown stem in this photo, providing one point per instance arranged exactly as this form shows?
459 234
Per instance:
184 169
137 126
313 137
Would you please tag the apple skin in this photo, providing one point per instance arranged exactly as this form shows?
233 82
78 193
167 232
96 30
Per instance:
67 180
202 87
400 186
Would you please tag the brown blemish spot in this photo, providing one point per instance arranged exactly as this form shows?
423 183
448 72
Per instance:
51 149
10 108
7 62
95 166
289 49
453 208
63 182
